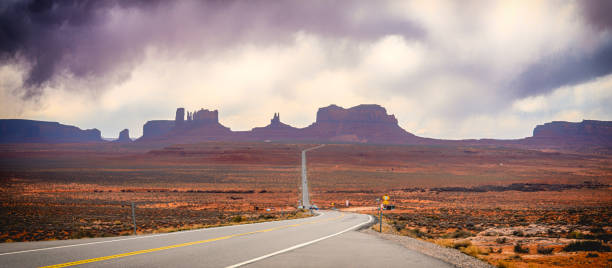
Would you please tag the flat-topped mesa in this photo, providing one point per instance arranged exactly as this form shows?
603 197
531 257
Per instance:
370 113
362 123
21 130
562 129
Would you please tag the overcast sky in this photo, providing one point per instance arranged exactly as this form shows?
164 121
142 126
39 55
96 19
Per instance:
446 69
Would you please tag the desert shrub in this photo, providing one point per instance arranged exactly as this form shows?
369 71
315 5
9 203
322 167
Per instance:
448 243
592 255
518 248
544 250
503 264
575 235
266 216
518 233
473 251
501 240
603 237
416 233
458 234
398 225
585 220
587 246
462 244
238 218
515 257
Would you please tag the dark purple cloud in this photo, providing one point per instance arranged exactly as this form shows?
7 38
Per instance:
82 38
49 35
563 70
597 13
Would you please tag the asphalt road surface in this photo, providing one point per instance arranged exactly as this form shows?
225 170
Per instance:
325 240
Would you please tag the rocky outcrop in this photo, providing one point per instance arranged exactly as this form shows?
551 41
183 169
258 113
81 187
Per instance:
584 129
156 129
124 136
19 131
368 124
204 117
179 119
580 136
363 123
365 113
276 130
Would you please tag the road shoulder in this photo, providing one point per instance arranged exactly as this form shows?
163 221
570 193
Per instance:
448 255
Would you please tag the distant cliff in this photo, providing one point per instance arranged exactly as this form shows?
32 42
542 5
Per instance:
19 131
366 123
585 129
363 123
559 134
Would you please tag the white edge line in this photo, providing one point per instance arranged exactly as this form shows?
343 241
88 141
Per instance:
140 237
299 245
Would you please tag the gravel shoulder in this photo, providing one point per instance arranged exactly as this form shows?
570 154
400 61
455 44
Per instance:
449 255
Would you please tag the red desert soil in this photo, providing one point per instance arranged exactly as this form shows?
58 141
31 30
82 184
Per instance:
527 196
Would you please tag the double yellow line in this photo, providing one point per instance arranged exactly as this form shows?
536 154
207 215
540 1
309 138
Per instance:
182 245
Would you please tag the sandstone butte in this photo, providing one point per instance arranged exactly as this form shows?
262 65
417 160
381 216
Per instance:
366 123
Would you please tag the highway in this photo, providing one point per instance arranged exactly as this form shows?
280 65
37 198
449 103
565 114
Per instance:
305 194
326 240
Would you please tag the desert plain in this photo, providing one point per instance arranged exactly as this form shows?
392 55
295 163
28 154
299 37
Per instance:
511 207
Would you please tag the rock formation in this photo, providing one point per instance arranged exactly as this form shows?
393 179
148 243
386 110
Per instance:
179 119
276 130
586 128
124 136
363 123
573 136
18 130
205 117
155 129
369 124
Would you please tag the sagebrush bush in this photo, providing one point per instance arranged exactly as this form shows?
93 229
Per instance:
518 248
462 244
501 240
473 251
588 245
544 250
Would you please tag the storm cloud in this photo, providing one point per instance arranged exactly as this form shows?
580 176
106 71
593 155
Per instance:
91 39
449 69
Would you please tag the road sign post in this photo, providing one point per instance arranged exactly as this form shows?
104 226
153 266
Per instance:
134 217
380 217
385 201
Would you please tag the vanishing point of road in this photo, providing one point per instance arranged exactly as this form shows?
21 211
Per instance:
329 239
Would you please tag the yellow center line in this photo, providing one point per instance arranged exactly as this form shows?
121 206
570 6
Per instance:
183 245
